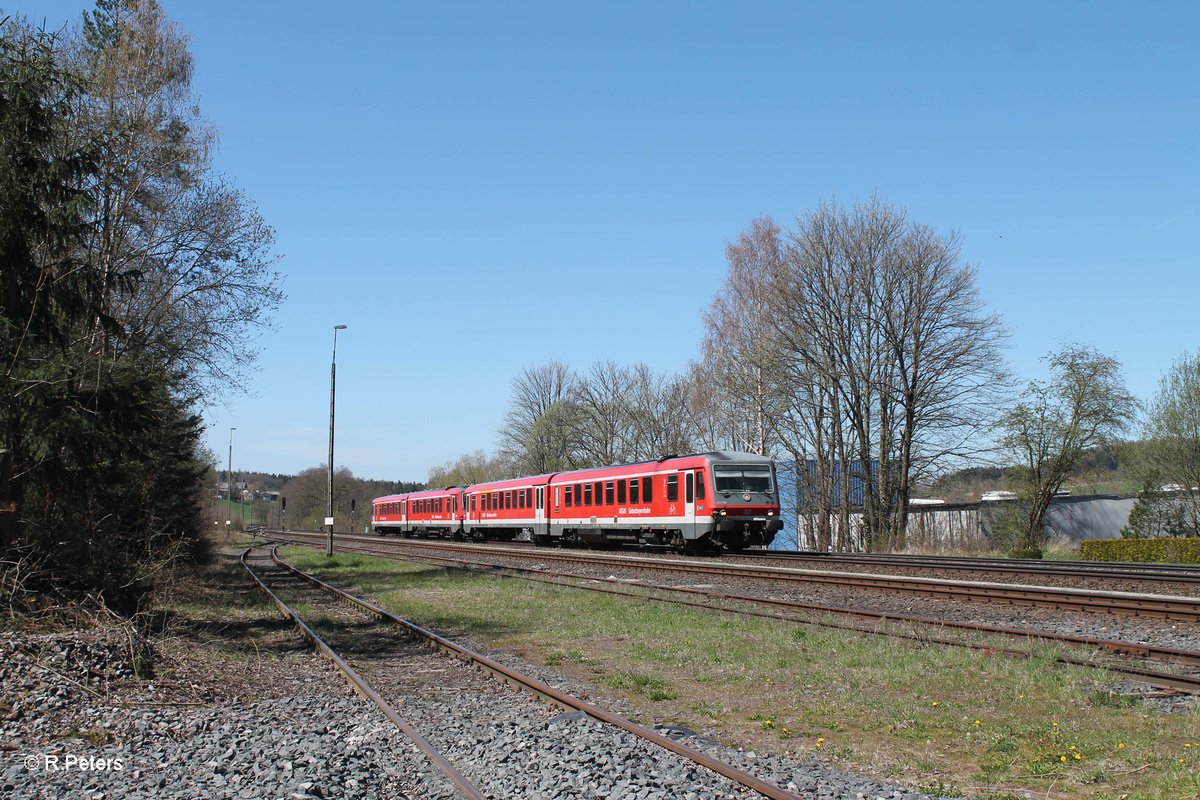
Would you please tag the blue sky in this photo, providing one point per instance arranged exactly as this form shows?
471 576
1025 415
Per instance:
482 187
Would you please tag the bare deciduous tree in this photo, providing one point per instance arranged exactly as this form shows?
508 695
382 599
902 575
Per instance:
859 337
537 433
186 260
476 467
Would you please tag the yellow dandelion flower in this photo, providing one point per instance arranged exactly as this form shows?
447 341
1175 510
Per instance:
1062 759
1078 757
1187 746
1181 761
1020 697
820 739
935 704
1120 745
978 722
1072 747
1054 724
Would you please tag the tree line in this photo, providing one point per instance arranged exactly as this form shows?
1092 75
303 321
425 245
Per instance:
133 274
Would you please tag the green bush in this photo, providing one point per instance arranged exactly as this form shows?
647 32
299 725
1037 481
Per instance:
1163 551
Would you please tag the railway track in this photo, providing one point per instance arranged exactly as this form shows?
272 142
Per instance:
1176 682
1159 606
470 780
1107 571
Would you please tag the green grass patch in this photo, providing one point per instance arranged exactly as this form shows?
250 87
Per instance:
914 713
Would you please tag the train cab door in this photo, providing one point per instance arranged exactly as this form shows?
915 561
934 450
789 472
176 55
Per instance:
403 515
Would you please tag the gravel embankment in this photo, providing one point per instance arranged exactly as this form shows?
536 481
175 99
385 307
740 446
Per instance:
75 723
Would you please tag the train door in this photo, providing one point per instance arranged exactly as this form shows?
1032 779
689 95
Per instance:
689 503
539 511
403 515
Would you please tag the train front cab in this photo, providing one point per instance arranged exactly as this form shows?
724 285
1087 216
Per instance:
743 502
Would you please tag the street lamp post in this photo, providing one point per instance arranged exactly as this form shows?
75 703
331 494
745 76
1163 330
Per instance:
332 394
229 483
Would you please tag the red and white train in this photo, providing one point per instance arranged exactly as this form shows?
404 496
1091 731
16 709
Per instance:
703 501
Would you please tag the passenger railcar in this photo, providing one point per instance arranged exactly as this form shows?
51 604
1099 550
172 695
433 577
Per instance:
708 500
433 512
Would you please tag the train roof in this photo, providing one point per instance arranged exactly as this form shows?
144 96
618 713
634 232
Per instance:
714 456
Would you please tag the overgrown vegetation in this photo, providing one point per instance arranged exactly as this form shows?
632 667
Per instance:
120 246
1160 550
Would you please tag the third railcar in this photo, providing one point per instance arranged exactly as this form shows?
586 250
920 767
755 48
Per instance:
722 499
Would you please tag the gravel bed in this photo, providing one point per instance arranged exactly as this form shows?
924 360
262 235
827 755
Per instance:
69 729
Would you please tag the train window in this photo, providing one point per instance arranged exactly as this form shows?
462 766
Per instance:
648 489
508 500
634 485
688 492
699 484
608 493
568 493
598 487
529 498
521 499
621 492
587 494
673 488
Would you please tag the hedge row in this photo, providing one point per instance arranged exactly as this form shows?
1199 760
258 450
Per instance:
1164 551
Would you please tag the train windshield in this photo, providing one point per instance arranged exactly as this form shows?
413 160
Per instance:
743 479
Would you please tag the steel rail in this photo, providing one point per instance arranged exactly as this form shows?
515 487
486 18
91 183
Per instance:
554 695
365 691
1172 607
1076 569
1164 680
